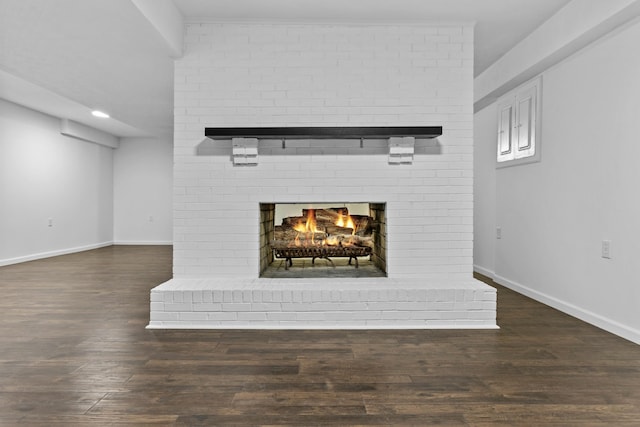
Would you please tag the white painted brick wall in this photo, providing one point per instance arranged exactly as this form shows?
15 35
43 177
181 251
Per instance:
330 75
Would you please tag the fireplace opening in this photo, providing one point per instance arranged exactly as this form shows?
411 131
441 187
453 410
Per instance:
323 240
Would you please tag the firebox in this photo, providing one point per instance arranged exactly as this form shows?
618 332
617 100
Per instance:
323 239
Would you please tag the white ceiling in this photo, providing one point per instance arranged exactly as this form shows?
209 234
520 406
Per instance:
87 54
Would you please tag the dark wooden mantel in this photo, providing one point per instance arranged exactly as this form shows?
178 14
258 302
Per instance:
348 132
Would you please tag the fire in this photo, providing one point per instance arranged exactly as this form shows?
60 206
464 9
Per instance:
350 224
332 241
340 222
307 228
310 226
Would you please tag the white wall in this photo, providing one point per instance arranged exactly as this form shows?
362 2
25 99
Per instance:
484 189
142 191
325 75
554 214
44 175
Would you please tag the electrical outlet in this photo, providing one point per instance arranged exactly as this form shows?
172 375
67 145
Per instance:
50 222
606 249
498 232
150 218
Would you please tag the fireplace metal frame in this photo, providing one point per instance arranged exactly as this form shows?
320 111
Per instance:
352 252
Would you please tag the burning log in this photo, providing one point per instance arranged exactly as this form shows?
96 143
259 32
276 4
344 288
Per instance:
364 224
330 215
324 233
289 234
333 230
364 241
330 228
350 240
292 221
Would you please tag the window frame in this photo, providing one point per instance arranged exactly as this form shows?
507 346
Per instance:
525 99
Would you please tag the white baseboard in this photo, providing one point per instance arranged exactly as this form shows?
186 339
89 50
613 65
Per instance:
144 242
602 322
41 255
484 271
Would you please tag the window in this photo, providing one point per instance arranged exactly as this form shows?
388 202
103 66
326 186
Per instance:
519 124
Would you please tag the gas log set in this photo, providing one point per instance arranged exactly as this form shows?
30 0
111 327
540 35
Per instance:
324 233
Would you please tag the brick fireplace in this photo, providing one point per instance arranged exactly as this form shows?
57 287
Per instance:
286 75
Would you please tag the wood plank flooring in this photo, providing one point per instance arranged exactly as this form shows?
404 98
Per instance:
74 351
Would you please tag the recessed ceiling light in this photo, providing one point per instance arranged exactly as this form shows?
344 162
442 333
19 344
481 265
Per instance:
100 114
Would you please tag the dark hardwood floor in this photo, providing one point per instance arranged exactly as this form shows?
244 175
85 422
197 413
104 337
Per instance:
74 351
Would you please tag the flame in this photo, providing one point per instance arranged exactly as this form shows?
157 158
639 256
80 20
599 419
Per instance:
311 225
340 222
309 228
351 225
332 241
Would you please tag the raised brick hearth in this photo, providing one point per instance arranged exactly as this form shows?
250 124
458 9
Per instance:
318 303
